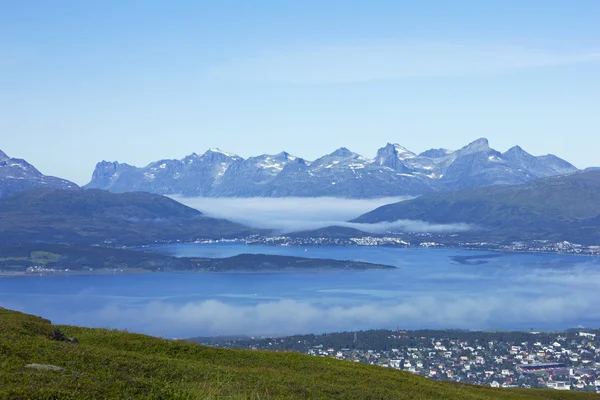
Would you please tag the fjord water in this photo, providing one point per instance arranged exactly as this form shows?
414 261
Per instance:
431 288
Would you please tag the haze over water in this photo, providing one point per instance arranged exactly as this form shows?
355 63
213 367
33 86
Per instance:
430 289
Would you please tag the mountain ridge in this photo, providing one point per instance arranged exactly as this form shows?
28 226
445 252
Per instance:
394 171
99 217
17 175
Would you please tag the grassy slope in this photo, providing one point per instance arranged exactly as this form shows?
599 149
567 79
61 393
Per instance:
111 364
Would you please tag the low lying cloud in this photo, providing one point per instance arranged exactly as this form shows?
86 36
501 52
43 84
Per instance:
265 212
292 214
286 317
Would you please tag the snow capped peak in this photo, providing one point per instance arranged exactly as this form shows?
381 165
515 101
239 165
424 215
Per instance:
402 152
275 163
3 156
219 151
392 156
341 159
214 155
396 151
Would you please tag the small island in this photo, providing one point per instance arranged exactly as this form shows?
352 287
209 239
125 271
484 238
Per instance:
49 259
274 263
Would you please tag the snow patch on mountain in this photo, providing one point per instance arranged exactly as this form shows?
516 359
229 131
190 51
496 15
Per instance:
216 150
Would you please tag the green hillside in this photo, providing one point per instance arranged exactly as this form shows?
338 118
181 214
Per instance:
106 364
558 208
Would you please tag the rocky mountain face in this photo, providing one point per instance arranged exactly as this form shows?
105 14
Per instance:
17 175
395 171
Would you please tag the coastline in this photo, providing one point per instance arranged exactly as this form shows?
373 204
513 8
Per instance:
7 275
149 249
309 245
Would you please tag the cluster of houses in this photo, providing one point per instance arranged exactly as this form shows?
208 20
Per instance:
561 365
561 361
42 270
426 240
539 246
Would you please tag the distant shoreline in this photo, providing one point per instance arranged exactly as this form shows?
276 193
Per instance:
463 260
441 247
4 274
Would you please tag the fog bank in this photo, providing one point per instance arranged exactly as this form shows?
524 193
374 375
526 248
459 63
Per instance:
539 298
291 214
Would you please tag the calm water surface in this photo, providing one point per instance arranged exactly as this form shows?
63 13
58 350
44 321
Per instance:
430 288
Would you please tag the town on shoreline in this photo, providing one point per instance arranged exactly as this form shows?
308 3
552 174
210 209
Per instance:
418 240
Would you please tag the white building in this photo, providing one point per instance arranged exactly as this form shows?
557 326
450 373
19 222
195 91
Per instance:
559 385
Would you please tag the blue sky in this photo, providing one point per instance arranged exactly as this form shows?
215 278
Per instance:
137 81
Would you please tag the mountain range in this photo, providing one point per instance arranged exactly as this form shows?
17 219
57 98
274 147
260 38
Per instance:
395 171
17 175
555 208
